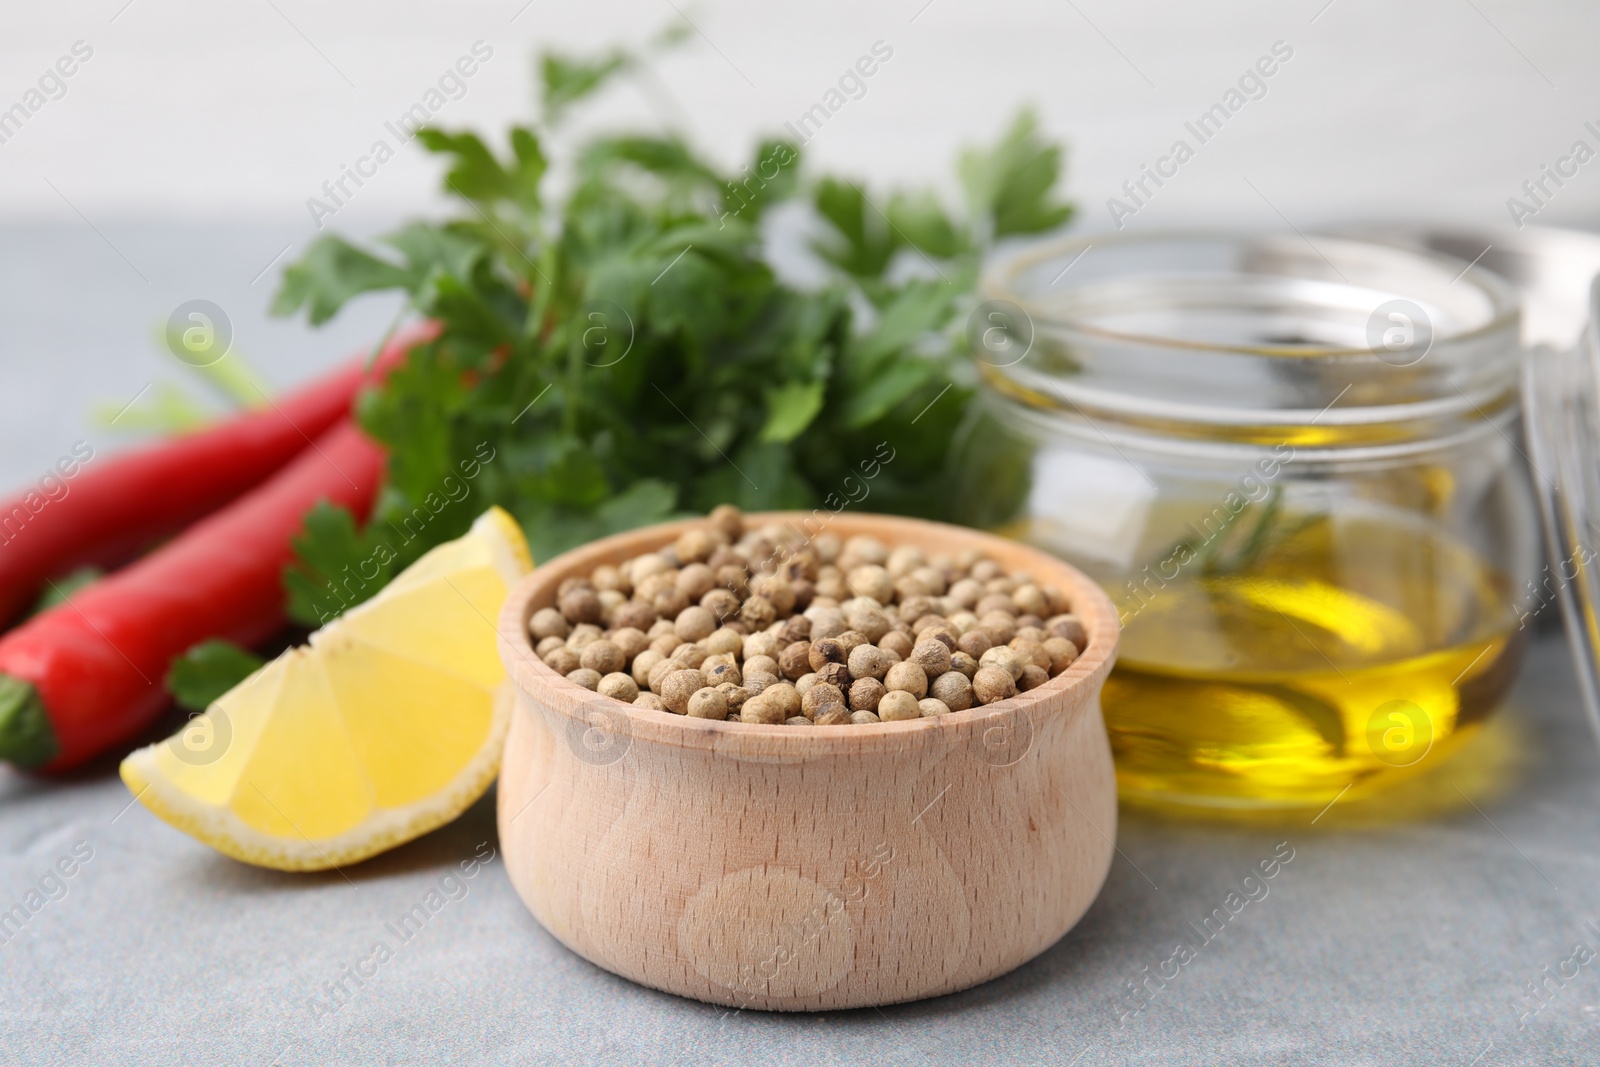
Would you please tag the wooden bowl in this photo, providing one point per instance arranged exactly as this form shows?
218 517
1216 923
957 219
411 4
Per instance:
794 869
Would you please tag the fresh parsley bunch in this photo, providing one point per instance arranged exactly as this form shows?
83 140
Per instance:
625 353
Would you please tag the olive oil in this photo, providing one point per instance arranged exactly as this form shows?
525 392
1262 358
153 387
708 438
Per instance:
1345 653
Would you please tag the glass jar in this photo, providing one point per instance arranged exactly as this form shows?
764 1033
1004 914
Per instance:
1294 467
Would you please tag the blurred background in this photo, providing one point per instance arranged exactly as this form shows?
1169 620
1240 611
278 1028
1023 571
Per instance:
177 161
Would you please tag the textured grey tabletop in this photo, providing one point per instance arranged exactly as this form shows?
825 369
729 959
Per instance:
1405 930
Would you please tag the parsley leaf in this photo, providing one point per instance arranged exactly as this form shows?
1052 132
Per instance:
614 349
207 671
1013 184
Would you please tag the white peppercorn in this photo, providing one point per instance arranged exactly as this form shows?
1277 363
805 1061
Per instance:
849 640
794 629
760 681
547 645
759 709
993 683
694 545
759 613
897 705
867 549
618 686
960 661
720 673
872 581
735 579
929 707
668 604
820 696
761 644
649 700
917 584
974 643
868 661
826 650
636 614
722 603
954 689
694 623
610 602
708 704
630 640
785 696
562 660
966 593
963 621
723 642
1004 658
586 677
781 593
1062 652
735 695
657 678
864 718
932 656
1031 599
904 560
835 674
868 620
898 643
795 660
602 656
1070 627
999 627
695 581
918 607
678 687
986 570
826 622
641 567
1032 678
865 694
833 715
728 519
581 605
908 678
582 635
548 622
831 585
1029 652
642 664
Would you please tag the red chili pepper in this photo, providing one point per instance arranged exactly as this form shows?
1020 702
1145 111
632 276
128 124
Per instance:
110 511
89 674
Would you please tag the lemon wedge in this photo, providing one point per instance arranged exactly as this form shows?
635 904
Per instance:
388 724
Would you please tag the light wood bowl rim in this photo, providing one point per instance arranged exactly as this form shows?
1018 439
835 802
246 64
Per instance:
536 679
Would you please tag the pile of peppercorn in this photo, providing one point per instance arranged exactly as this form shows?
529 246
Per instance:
771 626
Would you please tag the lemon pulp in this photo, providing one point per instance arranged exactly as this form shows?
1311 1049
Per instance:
388 724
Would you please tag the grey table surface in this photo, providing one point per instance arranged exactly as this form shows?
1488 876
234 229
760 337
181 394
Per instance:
1404 931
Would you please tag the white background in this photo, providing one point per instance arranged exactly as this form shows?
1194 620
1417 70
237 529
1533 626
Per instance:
1407 109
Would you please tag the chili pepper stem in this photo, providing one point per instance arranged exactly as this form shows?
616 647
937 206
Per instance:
26 737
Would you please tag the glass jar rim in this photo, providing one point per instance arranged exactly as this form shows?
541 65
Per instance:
1210 334
999 282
